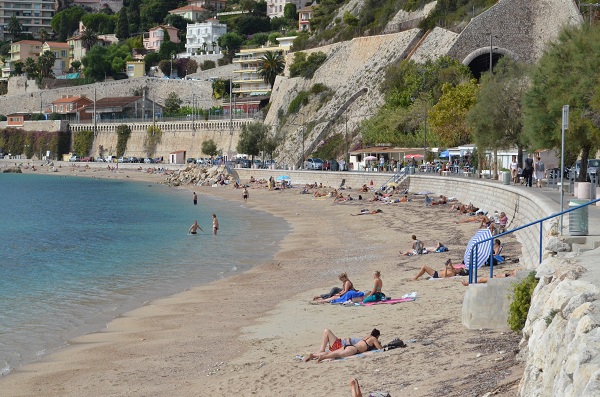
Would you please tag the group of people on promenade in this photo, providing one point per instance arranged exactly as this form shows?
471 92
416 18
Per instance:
530 169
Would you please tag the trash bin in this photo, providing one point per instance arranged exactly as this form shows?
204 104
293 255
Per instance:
506 177
578 219
411 170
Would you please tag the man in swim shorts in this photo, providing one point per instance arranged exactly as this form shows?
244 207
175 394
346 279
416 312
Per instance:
194 228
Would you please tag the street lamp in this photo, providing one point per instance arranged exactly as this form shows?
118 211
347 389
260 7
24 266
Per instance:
171 71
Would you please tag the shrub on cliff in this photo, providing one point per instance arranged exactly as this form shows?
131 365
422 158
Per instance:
521 301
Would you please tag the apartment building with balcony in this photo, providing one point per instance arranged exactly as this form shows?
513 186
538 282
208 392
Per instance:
204 37
250 84
20 51
275 7
156 36
32 14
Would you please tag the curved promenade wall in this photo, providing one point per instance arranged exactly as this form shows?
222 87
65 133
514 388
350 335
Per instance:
491 196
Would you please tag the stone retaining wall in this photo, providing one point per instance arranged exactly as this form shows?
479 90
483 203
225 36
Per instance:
491 197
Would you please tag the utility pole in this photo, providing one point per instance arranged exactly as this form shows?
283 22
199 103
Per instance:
95 116
230 118
346 159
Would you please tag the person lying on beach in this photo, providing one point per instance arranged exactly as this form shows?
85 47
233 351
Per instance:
416 247
340 348
465 209
438 248
483 280
479 217
375 295
449 271
346 286
194 228
442 200
364 189
404 199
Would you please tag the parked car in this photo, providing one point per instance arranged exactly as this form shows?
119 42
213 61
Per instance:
244 163
191 160
100 159
148 160
313 163
123 159
269 163
133 159
592 169
74 158
87 159
333 165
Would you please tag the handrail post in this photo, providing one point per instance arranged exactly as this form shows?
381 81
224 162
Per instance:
541 239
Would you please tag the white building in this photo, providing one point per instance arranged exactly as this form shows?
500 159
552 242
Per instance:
204 37
275 7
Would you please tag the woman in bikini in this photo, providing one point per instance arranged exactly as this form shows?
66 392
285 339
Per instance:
339 348
348 287
375 295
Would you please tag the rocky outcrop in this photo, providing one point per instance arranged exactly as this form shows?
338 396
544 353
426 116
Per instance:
12 170
561 338
201 176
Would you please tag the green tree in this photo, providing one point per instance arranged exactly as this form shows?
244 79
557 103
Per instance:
43 34
306 66
133 12
31 68
172 103
100 22
447 118
209 148
123 133
208 64
18 68
153 12
566 75
65 22
231 42
46 63
88 39
272 64
496 118
76 65
122 31
178 21
83 142
96 64
14 27
290 12
251 139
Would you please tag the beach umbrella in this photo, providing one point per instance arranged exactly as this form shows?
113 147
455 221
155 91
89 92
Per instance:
392 184
445 154
370 158
483 250
413 156
282 178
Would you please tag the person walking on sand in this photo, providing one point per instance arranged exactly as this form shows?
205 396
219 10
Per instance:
194 228
215 224
245 194
195 199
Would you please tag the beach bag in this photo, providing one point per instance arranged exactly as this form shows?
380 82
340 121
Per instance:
379 394
394 344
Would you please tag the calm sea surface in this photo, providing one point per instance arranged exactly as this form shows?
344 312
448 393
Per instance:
76 252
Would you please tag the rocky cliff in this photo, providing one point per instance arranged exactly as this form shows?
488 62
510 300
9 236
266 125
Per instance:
561 338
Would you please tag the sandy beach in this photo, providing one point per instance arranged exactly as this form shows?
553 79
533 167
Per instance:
242 336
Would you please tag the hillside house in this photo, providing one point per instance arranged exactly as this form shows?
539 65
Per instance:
275 7
61 55
213 5
122 108
156 36
72 107
204 37
304 16
193 13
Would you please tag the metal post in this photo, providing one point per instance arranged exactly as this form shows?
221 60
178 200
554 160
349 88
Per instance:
346 159
565 124
230 118
95 116
425 137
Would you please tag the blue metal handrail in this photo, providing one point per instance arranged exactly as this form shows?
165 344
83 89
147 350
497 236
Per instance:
473 267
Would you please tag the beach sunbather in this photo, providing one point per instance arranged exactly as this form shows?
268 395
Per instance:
347 287
375 295
416 247
483 280
340 348
449 271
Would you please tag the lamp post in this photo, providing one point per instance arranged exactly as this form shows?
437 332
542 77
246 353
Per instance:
565 125
347 158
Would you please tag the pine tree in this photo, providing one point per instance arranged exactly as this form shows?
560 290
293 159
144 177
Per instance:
122 25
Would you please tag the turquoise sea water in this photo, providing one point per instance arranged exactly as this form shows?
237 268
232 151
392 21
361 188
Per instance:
76 252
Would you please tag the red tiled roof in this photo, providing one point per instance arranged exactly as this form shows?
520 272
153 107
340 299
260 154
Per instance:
70 99
57 44
29 42
187 8
115 102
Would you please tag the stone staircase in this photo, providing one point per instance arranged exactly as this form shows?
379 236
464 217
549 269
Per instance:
581 244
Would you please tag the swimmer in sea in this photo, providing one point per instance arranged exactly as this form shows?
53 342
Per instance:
194 228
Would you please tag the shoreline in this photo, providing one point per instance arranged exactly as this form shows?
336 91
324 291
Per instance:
240 335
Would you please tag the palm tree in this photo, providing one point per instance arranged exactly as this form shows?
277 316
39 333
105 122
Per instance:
88 39
46 63
14 27
272 64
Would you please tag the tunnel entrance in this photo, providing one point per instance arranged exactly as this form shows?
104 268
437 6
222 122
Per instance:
481 63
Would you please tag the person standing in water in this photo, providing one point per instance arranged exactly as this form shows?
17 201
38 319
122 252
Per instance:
245 194
194 228
195 199
215 224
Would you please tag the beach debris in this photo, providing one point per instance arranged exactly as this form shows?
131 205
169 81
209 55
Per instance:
201 176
